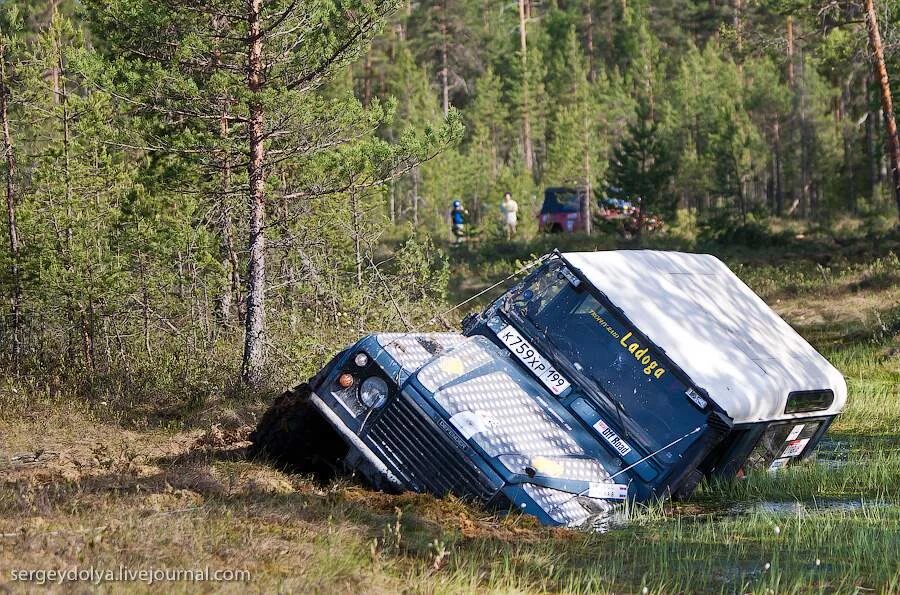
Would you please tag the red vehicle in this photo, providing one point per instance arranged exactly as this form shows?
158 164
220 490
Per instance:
563 210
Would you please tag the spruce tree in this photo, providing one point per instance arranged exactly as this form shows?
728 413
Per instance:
642 167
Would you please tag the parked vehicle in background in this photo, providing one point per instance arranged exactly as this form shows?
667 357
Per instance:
612 209
562 210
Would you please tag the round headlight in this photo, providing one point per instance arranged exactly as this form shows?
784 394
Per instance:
361 359
373 392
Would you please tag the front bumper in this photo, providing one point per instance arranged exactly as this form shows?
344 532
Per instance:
409 447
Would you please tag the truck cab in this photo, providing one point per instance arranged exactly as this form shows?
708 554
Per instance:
599 377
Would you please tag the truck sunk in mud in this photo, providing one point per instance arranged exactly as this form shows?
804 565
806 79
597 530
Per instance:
600 377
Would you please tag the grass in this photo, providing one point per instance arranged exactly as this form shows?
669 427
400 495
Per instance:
80 486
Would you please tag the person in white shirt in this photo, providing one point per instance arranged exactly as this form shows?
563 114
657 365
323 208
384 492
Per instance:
510 209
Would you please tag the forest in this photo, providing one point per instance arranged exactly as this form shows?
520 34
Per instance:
206 200
203 195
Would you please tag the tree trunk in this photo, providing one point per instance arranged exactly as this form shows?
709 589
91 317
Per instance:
367 79
254 334
797 133
790 51
587 211
847 142
527 146
873 156
356 227
887 103
54 70
445 83
779 190
12 228
86 322
806 141
415 197
589 34
392 204
145 306
231 283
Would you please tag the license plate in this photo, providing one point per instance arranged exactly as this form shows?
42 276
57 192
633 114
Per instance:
608 491
778 464
533 360
795 433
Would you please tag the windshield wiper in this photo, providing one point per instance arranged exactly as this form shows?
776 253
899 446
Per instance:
620 407
592 387
620 410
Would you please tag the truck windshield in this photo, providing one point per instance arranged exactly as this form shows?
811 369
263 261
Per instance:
601 345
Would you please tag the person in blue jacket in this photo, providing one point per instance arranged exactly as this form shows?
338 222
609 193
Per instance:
458 219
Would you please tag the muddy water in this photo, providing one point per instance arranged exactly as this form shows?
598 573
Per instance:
837 451
802 508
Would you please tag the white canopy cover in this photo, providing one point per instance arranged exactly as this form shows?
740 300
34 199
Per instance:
715 328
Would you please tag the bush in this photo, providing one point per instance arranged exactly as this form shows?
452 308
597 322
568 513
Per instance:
727 228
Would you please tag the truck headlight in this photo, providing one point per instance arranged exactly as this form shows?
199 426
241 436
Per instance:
373 392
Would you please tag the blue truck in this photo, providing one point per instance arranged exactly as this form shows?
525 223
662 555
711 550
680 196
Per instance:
599 377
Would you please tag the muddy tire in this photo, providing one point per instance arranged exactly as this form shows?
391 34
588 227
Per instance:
292 435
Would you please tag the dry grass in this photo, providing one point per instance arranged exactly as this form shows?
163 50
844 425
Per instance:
79 491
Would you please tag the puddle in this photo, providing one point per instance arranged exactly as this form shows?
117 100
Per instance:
834 452
802 508
619 516
616 517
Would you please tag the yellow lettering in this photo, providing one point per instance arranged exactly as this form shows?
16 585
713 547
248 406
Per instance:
651 367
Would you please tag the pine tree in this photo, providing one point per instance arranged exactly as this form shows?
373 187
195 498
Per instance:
417 109
9 45
257 67
642 167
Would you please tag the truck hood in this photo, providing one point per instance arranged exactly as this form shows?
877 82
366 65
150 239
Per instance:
491 401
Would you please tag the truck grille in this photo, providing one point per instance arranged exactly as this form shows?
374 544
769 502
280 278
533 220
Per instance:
423 455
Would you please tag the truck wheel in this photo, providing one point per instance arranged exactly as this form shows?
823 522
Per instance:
292 435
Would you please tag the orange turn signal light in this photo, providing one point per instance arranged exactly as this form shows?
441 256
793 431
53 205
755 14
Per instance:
345 380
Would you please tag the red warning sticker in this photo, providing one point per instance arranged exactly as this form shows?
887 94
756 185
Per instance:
795 447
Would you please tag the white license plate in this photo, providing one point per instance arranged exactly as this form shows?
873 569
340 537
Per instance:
535 362
608 491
